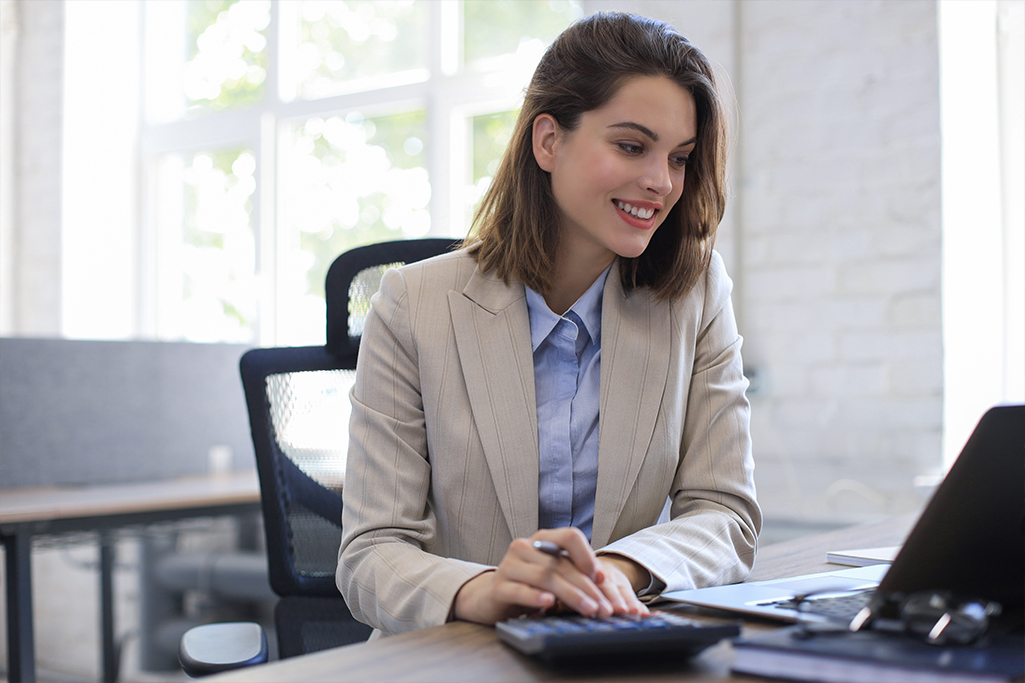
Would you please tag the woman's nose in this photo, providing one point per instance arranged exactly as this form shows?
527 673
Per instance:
658 179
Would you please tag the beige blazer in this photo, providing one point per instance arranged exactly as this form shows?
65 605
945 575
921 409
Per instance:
443 458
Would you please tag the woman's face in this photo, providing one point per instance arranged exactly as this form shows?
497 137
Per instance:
617 175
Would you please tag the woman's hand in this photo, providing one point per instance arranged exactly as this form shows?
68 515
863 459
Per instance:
623 578
528 580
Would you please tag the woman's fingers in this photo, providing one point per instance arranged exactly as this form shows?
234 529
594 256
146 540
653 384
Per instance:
510 592
618 589
563 570
488 599
623 599
557 575
576 547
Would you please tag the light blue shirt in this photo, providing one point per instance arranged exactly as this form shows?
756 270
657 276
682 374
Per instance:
567 376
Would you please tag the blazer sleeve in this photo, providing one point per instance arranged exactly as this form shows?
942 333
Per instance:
711 537
386 572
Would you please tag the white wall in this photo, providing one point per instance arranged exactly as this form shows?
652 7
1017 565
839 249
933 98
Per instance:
833 240
30 232
8 54
841 252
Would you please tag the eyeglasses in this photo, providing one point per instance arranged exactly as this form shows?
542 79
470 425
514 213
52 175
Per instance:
943 618
938 617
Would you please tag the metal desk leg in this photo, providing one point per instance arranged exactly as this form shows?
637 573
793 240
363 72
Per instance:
21 650
110 653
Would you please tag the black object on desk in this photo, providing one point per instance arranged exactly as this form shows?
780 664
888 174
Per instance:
791 654
563 637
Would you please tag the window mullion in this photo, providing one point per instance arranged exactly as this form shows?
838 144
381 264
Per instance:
443 62
265 225
221 129
446 50
266 200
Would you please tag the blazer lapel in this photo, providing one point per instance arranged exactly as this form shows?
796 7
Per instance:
492 331
635 348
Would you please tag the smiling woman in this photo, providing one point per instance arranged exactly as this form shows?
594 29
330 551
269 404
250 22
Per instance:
568 373
615 177
679 255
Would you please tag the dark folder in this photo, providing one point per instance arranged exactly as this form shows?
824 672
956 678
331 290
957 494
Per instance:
873 656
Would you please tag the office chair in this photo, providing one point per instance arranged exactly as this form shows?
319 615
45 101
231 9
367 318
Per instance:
298 406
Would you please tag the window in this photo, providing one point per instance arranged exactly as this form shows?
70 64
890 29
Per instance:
982 102
278 134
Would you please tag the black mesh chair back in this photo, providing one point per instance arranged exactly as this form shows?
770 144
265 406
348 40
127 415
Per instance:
355 276
298 411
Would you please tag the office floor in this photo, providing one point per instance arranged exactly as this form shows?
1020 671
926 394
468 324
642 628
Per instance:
130 672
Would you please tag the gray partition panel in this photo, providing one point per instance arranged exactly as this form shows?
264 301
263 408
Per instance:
89 412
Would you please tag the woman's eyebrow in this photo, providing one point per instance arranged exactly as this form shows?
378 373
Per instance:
647 132
643 130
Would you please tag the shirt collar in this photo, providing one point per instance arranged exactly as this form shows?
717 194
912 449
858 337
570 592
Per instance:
588 307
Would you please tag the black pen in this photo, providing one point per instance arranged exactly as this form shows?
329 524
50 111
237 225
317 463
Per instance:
549 548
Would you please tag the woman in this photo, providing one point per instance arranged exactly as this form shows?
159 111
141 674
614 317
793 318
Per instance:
572 369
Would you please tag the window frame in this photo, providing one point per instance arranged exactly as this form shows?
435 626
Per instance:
451 95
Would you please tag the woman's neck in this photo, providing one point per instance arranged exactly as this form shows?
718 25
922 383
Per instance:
572 278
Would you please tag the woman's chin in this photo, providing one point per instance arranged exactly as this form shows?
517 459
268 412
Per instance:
631 250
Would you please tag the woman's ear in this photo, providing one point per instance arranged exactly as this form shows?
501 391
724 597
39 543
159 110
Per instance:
546 133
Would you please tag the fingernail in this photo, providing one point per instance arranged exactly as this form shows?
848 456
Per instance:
590 606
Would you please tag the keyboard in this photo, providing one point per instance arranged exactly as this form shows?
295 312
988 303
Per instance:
562 637
838 608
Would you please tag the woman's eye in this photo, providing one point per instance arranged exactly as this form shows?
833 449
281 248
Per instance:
630 148
680 161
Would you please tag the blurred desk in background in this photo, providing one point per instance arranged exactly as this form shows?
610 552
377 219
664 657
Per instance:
34 511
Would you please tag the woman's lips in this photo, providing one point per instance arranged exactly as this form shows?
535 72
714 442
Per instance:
639 215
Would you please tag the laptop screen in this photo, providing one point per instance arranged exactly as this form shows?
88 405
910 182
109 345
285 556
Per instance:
971 537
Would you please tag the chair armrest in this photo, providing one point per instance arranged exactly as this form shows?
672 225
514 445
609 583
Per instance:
212 648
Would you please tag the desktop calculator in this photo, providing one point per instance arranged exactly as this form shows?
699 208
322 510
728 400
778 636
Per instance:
561 637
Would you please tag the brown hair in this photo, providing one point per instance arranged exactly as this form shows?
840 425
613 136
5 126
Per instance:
515 231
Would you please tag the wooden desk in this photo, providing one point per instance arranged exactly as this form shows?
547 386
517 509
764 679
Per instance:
472 653
28 512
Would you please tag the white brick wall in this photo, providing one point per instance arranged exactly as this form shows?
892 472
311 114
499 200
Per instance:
36 83
8 58
833 240
841 251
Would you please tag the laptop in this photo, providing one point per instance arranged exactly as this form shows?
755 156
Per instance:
970 539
